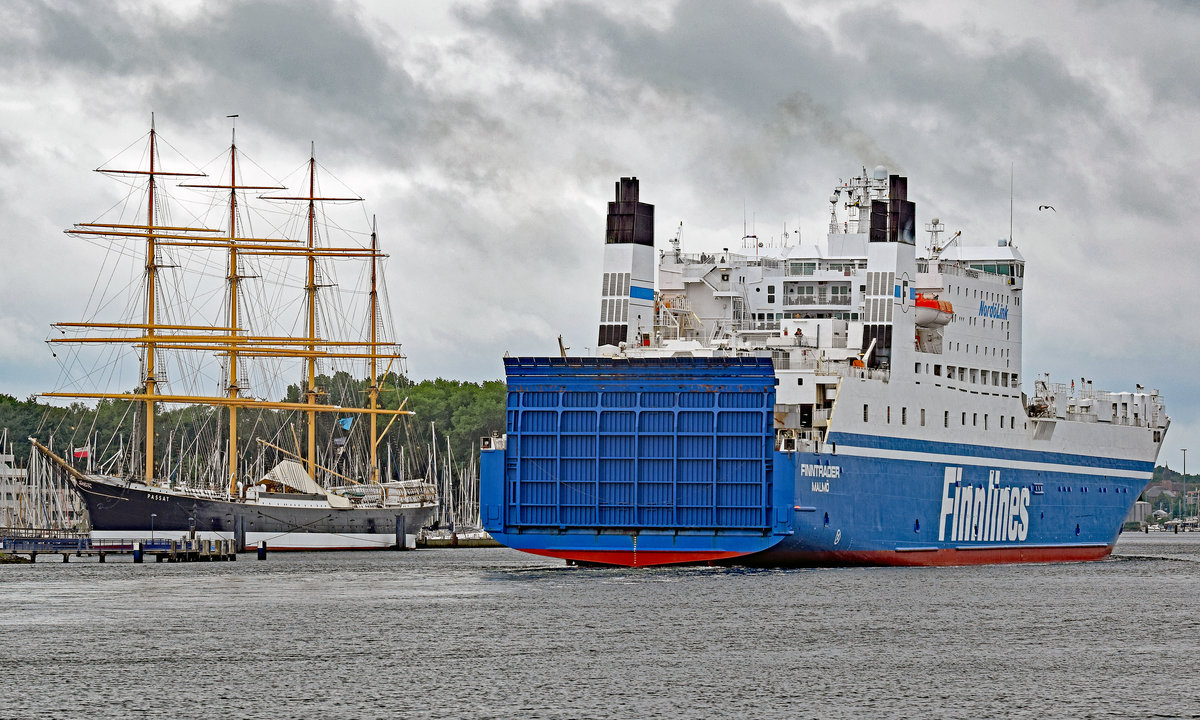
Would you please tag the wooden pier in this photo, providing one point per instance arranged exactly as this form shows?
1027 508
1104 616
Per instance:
162 550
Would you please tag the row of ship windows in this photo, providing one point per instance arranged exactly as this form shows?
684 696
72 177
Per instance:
1012 419
975 375
1001 268
976 321
767 316
957 347
976 294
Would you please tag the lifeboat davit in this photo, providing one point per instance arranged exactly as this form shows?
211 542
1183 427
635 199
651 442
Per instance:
932 312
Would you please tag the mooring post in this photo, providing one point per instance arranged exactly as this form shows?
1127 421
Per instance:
66 557
239 535
262 549
401 533
101 556
137 552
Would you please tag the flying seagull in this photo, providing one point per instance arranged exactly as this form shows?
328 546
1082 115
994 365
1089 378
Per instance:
1046 207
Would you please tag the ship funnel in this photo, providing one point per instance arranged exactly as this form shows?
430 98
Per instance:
627 290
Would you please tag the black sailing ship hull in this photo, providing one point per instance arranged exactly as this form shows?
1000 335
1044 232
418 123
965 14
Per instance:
123 511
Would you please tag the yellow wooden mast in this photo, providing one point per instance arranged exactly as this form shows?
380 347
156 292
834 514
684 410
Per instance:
149 378
374 387
311 252
151 316
233 389
233 313
312 313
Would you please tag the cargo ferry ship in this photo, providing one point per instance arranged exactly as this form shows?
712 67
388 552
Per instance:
853 402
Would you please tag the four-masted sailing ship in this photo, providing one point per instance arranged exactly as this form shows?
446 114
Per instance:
301 502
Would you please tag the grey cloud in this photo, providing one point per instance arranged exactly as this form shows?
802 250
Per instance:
276 60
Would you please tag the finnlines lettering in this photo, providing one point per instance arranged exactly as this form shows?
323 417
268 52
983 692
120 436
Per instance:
994 310
996 513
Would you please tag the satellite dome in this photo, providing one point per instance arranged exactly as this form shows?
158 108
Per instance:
880 172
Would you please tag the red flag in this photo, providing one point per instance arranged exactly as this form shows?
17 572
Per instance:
81 452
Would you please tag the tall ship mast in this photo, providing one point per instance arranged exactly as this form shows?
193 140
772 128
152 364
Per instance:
851 401
299 503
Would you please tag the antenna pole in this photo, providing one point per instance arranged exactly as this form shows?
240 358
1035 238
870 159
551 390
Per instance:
1010 202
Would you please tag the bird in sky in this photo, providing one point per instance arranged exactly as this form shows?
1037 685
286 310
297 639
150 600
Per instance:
1046 207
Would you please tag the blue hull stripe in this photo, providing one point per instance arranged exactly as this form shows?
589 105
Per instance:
982 451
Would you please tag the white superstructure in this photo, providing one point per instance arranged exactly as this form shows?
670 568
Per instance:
870 338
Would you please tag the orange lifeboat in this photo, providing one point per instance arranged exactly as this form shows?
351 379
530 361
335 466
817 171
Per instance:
932 312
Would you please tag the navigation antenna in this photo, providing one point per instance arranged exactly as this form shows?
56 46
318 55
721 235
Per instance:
675 241
1010 201
934 229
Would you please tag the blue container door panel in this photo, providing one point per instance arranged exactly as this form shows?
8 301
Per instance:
656 445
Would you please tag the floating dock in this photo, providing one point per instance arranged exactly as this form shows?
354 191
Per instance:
162 550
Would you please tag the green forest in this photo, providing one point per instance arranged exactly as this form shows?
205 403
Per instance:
449 418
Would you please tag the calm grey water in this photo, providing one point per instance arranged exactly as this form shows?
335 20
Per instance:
499 634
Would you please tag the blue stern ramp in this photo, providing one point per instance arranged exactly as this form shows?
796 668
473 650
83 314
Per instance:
637 461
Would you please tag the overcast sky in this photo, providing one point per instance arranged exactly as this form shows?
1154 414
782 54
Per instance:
486 138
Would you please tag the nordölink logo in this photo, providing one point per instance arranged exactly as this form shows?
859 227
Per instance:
995 310
993 513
